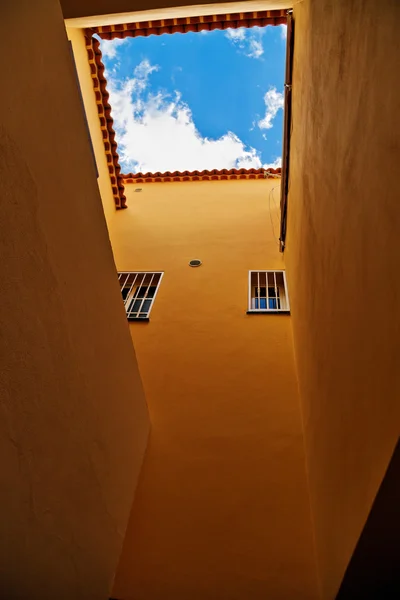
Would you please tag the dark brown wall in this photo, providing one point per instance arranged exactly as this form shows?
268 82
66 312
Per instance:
77 8
374 569
343 260
87 8
73 419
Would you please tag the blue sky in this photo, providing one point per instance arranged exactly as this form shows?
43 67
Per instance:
207 100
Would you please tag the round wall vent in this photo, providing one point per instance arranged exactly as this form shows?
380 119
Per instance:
195 263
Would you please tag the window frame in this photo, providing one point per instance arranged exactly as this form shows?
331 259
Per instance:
251 310
131 295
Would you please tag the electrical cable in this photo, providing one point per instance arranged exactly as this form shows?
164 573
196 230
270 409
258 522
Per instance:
270 215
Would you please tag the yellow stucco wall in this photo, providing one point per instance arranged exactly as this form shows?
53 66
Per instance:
341 248
73 418
222 506
222 510
68 367
77 40
343 260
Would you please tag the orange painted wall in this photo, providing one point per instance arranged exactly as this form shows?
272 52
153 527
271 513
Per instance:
73 418
77 40
222 510
343 260
222 505
342 237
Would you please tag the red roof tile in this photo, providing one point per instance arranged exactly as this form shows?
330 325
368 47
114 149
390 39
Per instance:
185 24
181 25
106 120
214 175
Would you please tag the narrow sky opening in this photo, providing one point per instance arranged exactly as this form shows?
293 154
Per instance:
195 101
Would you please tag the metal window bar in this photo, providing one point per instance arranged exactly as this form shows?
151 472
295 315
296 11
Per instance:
136 299
146 293
126 279
124 286
130 291
132 312
275 296
284 294
139 290
277 302
281 291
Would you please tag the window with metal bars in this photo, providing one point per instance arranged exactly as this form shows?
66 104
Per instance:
268 292
138 293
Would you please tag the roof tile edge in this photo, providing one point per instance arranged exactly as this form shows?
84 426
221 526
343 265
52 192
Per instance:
214 175
180 25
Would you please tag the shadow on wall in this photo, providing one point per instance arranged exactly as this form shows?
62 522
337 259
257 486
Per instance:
374 569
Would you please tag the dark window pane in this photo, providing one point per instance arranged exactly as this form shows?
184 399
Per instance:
146 306
134 305
140 292
145 289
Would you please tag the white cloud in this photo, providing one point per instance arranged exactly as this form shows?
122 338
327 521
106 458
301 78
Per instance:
109 48
283 31
273 102
157 132
236 35
256 49
277 164
144 69
248 41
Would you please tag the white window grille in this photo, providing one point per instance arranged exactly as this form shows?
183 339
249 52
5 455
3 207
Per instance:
138 292
268 292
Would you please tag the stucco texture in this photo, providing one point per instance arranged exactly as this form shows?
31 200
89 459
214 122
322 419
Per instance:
222 509
343 262
73 418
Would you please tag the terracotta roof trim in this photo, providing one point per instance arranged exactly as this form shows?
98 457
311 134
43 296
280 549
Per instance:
214 175
159 27
186 24
106 120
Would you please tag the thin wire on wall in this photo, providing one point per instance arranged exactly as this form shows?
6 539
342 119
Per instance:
271 195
